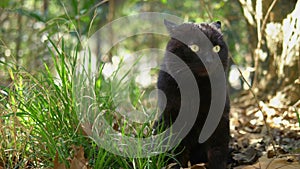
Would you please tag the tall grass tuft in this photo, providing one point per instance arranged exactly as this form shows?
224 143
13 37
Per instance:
39 120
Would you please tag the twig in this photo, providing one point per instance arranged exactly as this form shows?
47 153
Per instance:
260 35
258 106
96 6
264 23
281 156
286 155
91 23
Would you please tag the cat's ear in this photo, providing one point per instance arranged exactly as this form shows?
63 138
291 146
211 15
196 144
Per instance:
170 26
217 24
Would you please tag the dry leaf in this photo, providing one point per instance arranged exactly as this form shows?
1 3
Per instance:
79 161
170 165
250 155
270 163
198 166
281 163
87 129
76 164
58 165
1 165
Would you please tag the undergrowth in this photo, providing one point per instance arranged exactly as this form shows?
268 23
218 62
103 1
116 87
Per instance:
39 119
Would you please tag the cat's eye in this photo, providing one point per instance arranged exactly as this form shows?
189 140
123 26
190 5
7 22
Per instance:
194 48
216 49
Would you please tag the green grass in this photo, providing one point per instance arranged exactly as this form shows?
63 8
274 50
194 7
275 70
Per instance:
39 119
298 116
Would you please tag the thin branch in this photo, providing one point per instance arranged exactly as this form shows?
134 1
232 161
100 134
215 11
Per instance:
260 35
91 23
97 5
264 23
258 106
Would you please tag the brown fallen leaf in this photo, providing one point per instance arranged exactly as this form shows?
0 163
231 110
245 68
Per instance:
170 166
247 167
198 166
79 161
281 163
270 163
76 164
247 156
1 165
87 129
58 165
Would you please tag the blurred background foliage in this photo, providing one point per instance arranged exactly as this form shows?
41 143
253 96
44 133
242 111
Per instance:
26 24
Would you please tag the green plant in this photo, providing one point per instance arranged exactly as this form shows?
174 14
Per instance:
40 118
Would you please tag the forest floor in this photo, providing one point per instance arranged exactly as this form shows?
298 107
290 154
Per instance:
265 140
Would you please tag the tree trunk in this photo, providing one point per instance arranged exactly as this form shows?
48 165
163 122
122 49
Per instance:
274 38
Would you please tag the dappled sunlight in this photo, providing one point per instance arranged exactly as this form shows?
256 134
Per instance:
71 82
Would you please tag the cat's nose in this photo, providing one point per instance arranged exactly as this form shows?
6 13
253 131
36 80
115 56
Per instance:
209 59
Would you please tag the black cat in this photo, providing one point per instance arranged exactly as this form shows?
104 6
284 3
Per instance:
202 43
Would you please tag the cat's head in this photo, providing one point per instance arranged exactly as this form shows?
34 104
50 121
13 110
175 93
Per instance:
198 45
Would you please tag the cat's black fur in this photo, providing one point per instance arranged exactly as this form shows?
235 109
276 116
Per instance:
215 149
